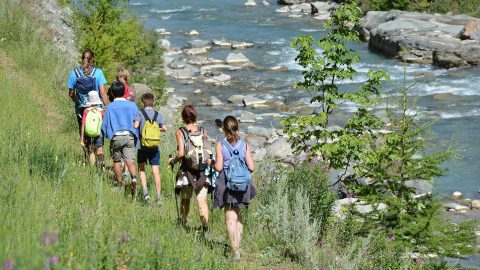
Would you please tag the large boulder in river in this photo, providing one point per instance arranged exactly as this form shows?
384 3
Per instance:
141 89
291 2
280 149
236 58
421 38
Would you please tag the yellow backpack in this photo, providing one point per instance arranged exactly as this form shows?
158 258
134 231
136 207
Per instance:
151 131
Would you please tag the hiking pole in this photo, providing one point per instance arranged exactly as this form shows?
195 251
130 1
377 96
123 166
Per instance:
174 193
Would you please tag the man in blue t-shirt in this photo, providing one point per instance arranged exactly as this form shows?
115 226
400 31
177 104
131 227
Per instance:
85 70
118 127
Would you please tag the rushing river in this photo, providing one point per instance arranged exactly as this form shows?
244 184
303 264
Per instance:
456 117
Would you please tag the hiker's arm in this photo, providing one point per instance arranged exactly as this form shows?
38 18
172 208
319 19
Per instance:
180 150
136 124
249 159
219 157
71 93
103 93
164 128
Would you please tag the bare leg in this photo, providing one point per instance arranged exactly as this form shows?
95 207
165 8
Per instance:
143 177
231 219
100 157
131 168
203 207
239 227
118 171
91 157
157 178
184 209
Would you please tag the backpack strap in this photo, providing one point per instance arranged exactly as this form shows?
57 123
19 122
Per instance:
155 116
185 136
77 72
93 71
145 115
229 147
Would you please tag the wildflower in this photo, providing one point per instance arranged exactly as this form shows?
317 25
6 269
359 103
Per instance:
8 265
50 238
54 260
392 238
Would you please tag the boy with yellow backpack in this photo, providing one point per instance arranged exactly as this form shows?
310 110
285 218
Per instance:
91 130
149 124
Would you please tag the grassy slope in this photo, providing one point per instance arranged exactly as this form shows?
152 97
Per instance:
45 188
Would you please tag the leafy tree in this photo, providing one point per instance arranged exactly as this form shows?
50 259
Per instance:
324 70
388 156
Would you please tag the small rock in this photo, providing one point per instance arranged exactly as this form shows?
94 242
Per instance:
163 43
241 45
222 79
236 99
141 88
162 31
475 204
198 43
250 3
279 68
477 233
195 51
255 141
236 58
282 10
260 131
197 91
281 149
193 33
266 3
456 207
222 43
245 116
214 101
457 195
250 100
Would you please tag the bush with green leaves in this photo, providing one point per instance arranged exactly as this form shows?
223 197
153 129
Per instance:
322 75
375 159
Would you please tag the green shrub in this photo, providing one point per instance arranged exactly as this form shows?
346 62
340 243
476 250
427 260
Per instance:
117 38
293 233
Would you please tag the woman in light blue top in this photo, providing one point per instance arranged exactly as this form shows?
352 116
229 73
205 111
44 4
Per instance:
231 200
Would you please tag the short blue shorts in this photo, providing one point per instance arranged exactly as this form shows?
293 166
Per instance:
150 155
97 142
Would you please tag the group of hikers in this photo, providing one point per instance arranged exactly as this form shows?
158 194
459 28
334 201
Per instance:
135 134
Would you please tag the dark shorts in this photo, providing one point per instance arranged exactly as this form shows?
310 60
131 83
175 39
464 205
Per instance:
150 155
97 142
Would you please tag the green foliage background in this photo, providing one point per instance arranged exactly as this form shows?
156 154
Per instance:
117 37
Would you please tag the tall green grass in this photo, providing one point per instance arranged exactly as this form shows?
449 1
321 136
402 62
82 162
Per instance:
47 192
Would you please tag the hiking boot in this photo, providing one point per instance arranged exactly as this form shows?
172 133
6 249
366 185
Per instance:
159 200
236 256
146 198
133 186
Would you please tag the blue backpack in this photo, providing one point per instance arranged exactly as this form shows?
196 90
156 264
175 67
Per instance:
85 83
237 173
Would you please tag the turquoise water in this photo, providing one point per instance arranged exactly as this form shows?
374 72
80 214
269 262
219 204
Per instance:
456 119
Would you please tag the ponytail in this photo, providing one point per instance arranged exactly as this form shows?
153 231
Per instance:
230 128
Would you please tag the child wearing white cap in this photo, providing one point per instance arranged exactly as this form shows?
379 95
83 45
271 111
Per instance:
92 139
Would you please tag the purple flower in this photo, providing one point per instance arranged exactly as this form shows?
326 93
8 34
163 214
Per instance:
50 238
54 260
392 238
8 265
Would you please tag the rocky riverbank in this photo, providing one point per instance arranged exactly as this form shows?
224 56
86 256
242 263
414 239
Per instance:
441 40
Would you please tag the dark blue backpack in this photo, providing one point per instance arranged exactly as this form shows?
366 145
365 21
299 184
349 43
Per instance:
85 83
237 173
